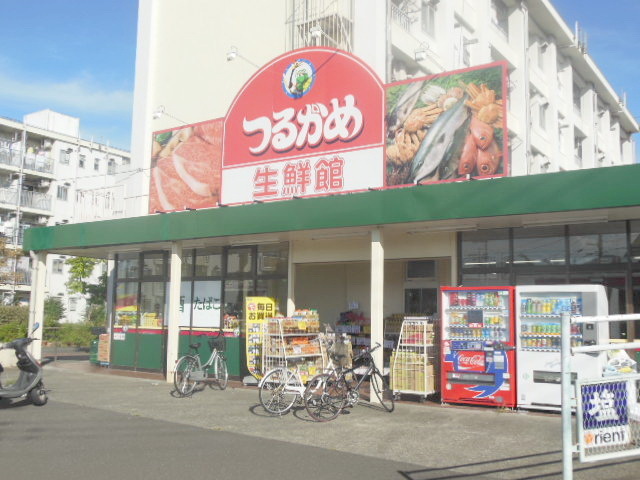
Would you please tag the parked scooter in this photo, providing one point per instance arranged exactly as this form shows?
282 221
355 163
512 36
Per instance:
29 382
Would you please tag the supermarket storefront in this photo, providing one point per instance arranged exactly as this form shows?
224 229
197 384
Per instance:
333 252
323 188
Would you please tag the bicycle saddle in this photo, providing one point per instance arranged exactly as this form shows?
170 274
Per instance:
195 346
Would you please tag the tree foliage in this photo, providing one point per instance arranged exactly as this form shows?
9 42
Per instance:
80 271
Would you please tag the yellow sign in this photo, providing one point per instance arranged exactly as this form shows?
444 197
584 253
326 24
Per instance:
257 309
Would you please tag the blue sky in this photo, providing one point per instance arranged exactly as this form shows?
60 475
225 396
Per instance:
78 57
73 56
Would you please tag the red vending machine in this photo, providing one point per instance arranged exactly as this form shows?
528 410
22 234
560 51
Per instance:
478 345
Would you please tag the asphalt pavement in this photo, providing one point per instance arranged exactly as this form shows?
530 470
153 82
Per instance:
115 421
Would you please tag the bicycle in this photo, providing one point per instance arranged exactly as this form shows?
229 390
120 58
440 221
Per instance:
327 394
190 371
280 389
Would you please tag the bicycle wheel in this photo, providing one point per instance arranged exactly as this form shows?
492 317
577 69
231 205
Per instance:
384 394
278 391
221 373
325 397
182 376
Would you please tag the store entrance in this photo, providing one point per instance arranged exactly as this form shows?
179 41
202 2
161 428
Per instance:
410 287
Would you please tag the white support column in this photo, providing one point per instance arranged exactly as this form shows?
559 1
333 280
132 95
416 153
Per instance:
173 333
291 279
36 302
377 299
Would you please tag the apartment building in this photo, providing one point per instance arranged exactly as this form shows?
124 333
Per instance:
562 112
51 176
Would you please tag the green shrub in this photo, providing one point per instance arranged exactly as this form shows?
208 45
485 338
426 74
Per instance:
75 334
14 322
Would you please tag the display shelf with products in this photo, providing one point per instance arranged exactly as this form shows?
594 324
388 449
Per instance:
294 342
482 315
540 322
413 360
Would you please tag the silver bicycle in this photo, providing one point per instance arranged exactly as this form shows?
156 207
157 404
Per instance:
190 371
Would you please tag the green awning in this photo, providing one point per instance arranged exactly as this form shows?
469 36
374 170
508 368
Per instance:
601 188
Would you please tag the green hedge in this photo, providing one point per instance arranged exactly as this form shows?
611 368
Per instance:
14 322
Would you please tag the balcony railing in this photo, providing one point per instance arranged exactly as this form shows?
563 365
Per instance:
39 163
401 18
9 233
21 277
28 199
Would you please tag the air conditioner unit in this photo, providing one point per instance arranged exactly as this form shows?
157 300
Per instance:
42 220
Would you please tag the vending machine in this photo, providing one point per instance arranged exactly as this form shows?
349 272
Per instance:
478 346
539 312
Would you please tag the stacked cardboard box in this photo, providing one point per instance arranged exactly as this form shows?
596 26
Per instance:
104 348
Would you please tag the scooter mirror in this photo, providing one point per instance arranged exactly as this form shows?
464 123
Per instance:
36 326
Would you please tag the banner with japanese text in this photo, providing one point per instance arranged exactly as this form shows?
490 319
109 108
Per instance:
258 310
318 122
308 123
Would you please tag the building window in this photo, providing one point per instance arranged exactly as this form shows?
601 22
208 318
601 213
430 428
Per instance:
542 48
126 161
65 156
577 99
96 164
428 17
82 159
500 16
57 265
63 192
111 168
577 149
543 111
73 304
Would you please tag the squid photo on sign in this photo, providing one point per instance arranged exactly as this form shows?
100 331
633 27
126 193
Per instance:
447 127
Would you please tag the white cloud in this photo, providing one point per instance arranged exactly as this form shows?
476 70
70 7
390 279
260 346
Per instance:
74 96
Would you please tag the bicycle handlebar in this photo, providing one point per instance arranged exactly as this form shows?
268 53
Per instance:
367 352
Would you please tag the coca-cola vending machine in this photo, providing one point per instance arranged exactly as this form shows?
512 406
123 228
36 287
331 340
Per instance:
478 346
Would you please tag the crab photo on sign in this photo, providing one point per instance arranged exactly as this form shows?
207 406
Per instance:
447 127
185 167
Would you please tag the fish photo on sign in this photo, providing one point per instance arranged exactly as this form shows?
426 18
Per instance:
447 127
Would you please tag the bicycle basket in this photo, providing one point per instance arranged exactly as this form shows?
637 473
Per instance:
218 343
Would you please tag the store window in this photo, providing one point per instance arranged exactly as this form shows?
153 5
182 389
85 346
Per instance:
275 288
634 250
485 279
486 249
153 265
421 301
128 266
126 304
235 292
152 300
239 260
539 246
598 243
273 259
208 262
187 263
